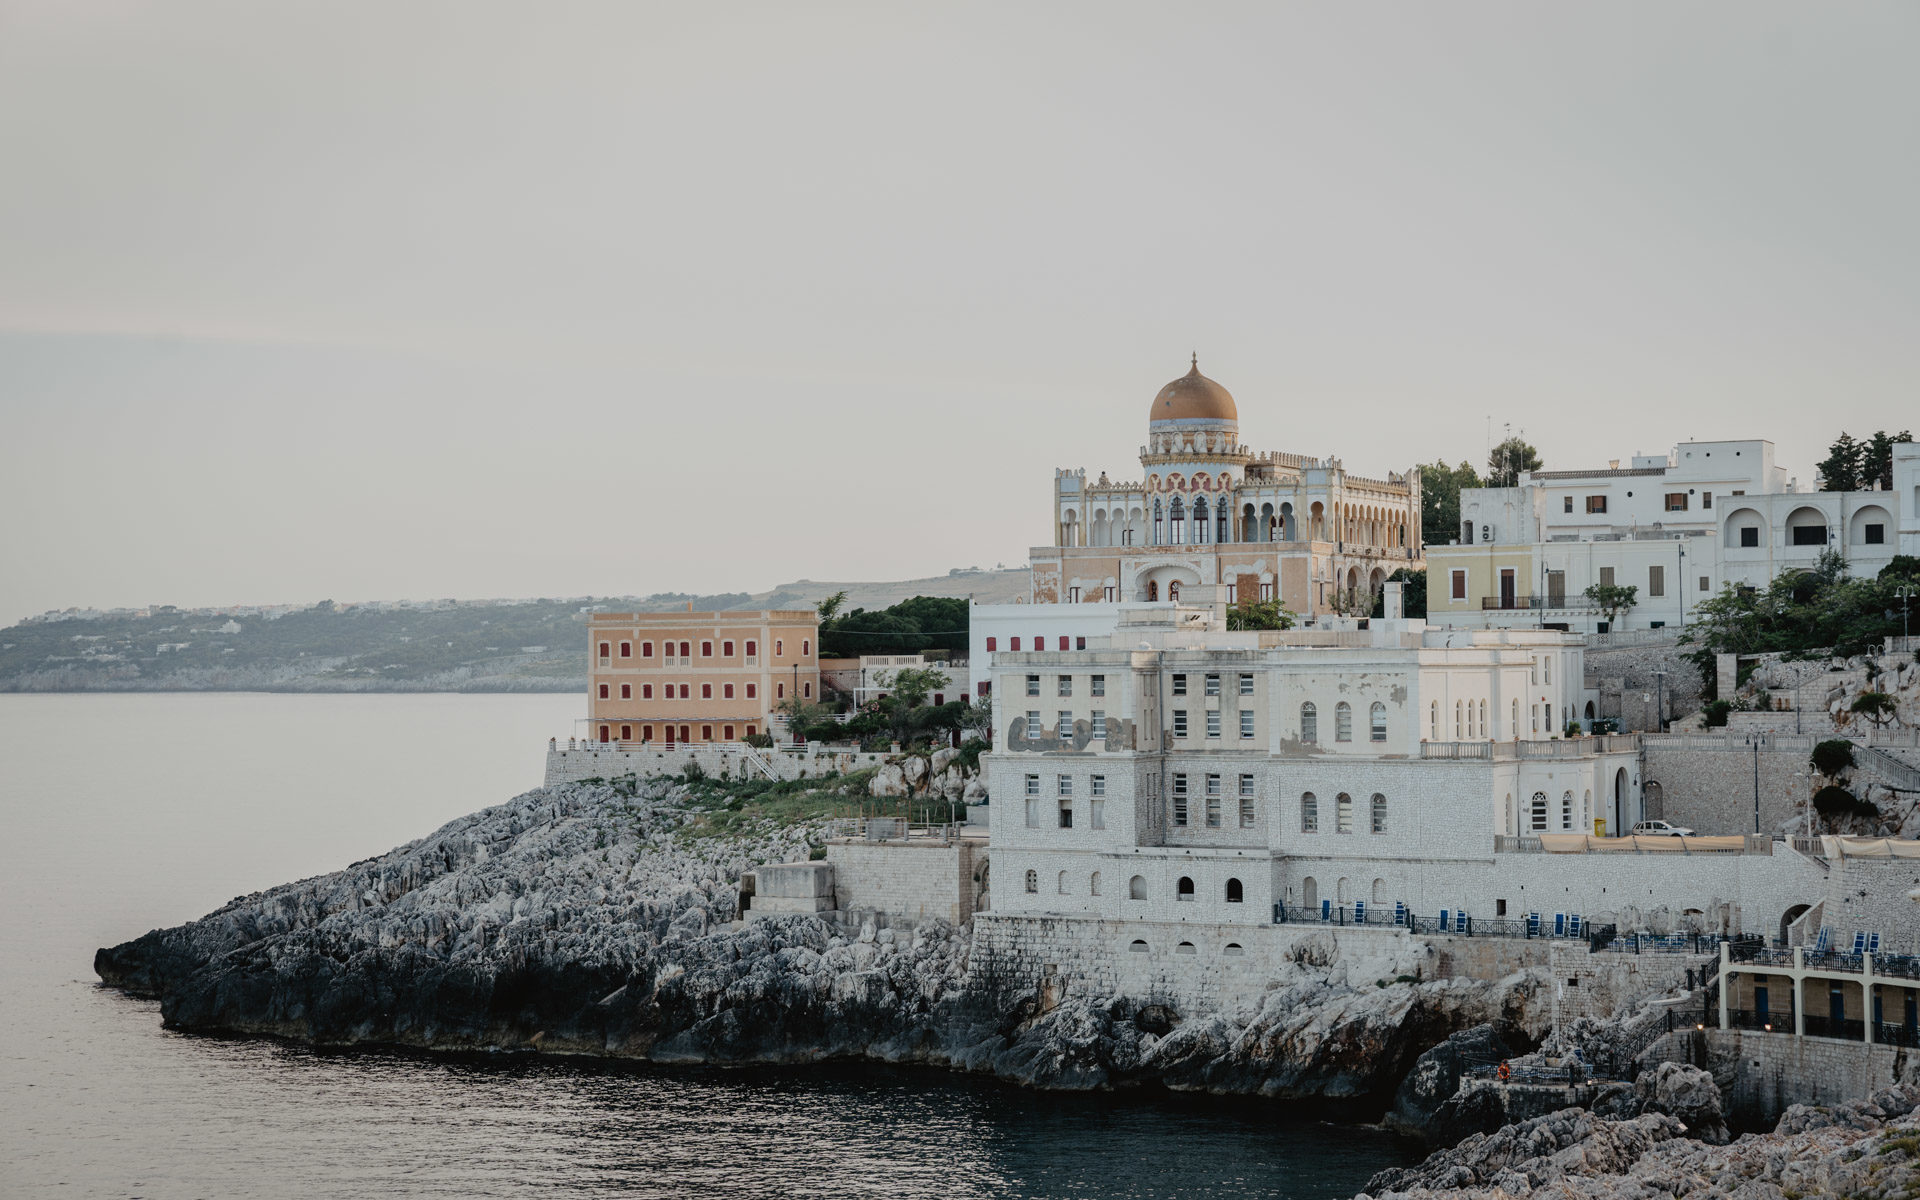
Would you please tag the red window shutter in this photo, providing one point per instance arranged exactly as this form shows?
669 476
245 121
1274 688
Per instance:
1063 641
753 690
726 648
990 645
626 649
603 691
646 691
706 691
646 649
1015 642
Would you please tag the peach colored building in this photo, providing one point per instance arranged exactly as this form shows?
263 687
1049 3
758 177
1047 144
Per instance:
696 677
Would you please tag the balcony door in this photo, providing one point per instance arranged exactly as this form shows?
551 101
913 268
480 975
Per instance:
1507 595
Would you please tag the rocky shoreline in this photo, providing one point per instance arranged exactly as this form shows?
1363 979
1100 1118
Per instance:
593 919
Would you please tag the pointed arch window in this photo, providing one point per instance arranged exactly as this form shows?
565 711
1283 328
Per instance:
1200 524
1176 522
1309 723
1159 526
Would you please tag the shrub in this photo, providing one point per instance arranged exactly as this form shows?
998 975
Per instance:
1832 756
759 741
1717 711
1837 802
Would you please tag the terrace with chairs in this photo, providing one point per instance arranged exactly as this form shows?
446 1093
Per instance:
1850 991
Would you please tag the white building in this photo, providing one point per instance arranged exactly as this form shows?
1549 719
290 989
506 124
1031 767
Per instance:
1676 529
1204 775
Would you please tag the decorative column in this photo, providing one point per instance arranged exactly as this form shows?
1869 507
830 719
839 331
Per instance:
1799 1009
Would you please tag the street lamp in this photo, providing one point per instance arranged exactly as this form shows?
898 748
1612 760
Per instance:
1905 596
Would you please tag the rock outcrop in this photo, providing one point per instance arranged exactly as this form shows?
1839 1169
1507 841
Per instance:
1866 1149
591 919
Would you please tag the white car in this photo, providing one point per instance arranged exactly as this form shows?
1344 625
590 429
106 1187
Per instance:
1660 829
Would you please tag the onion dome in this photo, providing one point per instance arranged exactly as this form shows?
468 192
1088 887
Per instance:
1194 397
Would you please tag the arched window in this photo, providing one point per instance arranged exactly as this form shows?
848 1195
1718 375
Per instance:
1176 522
1566 811
1220 533
1185 948
1379 722
1433 721
1153 591
1235 894
1343 813
1033 881
1093 884
1310 892
1200 523
1514 727
1173 591
1459 708
1138 946
1159 529
1309 814
1061 883
1379 822
1343 722
1546 669
1184 889
1483 720
1309 723
1538 822
1137 888
1379 891
1233 948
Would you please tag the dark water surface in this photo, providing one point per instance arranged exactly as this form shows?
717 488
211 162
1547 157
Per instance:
121 813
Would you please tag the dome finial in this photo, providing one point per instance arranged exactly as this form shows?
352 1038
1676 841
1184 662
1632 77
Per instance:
1196 360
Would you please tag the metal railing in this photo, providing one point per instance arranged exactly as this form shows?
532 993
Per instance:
1849 1029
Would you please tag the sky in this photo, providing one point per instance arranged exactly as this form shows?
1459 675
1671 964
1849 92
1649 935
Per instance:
371 301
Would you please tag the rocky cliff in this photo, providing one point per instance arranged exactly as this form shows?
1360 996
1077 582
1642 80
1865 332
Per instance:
1866 1149
595 919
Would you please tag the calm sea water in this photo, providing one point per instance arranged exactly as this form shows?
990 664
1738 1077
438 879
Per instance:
122 813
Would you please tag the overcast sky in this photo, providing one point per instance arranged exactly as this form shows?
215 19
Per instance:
406 300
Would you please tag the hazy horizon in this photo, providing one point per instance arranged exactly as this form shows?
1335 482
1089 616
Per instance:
599 299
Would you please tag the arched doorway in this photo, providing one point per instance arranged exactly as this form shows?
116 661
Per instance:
1619 802
982 897
1788 917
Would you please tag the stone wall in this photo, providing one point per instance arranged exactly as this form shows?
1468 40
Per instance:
1871 894
1608 984
1711 790
1770 1071
1623 675
909 880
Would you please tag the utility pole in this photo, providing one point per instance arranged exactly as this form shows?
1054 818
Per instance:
1756 784
1660 702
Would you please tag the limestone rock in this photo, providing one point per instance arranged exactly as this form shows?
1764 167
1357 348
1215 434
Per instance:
1686 1092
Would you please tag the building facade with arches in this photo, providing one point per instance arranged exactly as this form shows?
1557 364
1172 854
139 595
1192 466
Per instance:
1677 529
1209 511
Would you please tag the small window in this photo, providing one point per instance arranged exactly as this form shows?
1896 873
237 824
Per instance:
1137 890
1566 504
1097 785
1656 580
1079 643
706 733
1378 731
727 691
1706 499
1213 802
1309 723
1246 802
1098 725
646 691
1213 722
1704 584
753 691
1184 889
806 647
1246 722
1379 824
1873 535
626 691
1014 643
1235 893
991 647
1064 727
1343 813
1179 722
729 733
1213 685
1186 947
1065 685
603 691
1180 799
1033 785
753 649
706 649
1676 502
1033 685
1179 685
1309 813
1232 949
1066 814
1033 725
1459 581
726 648
1343 722
684 652
1246 685
1537 813
706 691
779 647
1033 882
1063 785
1063 637
1750 536
1137 946
1596 504
626 649
1097 685
1606 576
626 733
646 649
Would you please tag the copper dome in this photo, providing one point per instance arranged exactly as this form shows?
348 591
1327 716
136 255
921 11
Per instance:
1194 397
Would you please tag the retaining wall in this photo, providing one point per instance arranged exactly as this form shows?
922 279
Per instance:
596 760
1774 1070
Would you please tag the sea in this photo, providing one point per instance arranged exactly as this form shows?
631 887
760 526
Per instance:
123 813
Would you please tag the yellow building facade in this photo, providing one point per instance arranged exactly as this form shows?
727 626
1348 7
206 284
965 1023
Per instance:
672 678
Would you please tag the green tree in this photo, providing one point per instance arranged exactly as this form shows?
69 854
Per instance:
1877 707
1413 594
1876 459
1612 599
1262 614
1840 469
905 704
1506 461
1440 500
1832 757
830 607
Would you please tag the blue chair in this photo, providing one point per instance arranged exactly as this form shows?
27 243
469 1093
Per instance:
1533 924
1559 924
1822 940
1359 912
1326 910
1573 925
1399 912
1873 943
1859 942
1446 920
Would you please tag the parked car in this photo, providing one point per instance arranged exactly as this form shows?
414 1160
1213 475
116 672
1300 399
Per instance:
1660 829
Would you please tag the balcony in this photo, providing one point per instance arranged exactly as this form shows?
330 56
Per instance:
1537 604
